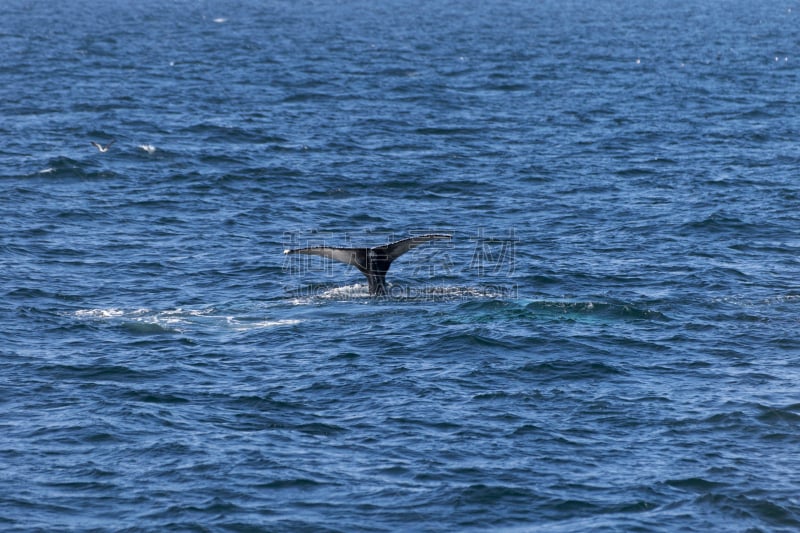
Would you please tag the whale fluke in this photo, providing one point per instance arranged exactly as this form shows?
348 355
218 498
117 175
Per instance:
372 262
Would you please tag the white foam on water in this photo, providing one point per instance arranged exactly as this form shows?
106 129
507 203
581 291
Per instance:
180 319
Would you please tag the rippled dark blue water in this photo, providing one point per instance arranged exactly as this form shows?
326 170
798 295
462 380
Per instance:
608 342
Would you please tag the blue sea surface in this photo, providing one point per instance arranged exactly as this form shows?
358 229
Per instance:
608 342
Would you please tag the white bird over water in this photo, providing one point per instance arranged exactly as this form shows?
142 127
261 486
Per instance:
103 148
149 148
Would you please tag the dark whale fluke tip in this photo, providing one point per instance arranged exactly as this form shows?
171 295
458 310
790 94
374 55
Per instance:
373 262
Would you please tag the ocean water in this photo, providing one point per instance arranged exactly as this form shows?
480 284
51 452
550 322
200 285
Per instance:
608 342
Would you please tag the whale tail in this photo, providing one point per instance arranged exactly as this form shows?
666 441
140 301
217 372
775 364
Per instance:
373 262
